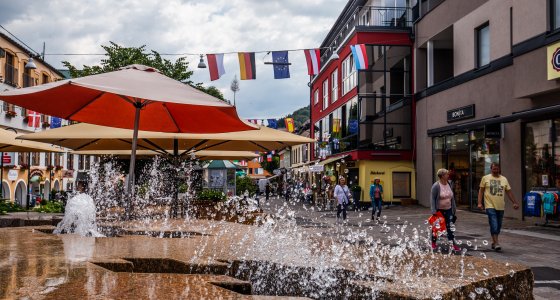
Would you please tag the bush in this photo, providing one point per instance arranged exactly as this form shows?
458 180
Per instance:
7 206
50 207
213 195
245 183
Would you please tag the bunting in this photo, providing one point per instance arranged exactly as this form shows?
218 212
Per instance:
272 123
56 122
313 58
281 64
289 124
215 65
247 65
33 119
360 56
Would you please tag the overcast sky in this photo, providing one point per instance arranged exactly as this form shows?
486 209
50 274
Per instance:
202 26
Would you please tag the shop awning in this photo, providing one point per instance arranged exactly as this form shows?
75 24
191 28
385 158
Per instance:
332 159
541 112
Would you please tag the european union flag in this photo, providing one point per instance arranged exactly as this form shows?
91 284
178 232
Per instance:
353 126
56 122
281 64
272 123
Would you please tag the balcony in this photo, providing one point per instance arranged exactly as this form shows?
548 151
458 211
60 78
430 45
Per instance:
11 75
370 17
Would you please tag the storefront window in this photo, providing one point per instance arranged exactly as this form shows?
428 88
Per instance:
539 162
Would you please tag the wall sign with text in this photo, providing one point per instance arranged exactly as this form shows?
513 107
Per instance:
461 113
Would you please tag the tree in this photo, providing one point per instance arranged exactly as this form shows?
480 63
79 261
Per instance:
212 90
234 87
270 166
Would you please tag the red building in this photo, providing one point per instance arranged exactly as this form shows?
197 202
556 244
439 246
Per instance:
364 119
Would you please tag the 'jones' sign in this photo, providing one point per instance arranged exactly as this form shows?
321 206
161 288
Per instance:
460 113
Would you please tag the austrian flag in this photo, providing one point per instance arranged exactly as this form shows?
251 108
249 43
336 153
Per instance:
215 65
360 56
313 58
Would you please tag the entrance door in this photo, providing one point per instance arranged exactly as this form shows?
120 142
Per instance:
483 152
457 147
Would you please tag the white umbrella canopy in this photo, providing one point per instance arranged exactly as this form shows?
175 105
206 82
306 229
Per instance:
85 137
10 143
202 155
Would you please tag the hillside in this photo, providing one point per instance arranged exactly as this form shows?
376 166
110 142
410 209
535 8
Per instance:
300 116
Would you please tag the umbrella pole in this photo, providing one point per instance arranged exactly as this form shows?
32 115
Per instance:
176 159
130 184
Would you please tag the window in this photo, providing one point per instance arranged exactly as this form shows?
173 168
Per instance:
483 45
348 75
325 94
35 159
316 97
334 83
45 79
555 14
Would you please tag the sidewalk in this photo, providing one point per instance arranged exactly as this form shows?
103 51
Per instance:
522 242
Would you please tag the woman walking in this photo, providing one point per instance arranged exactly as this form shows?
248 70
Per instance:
342 195
443 201
376 195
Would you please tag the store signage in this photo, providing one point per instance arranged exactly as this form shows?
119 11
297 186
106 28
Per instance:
12 175
377 173
553 61
493 131
316 168
8 158
461 113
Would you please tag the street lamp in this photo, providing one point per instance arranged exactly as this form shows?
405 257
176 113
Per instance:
201 64
30 65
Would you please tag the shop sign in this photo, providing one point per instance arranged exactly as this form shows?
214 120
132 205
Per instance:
461 113
12 175
68 174
377 173
553 61
493 131
8 158
316 168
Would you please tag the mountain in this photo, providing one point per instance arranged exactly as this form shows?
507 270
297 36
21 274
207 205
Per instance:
300 116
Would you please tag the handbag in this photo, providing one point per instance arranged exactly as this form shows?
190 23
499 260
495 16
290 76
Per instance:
437 221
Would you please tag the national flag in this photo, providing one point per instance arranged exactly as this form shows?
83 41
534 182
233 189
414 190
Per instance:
247 65
33 119
215 65
360 56
56 122
272 123
281 64
353 126
254 121
289 124
269 157
336 125
313 58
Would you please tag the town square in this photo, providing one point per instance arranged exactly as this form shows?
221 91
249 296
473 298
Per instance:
327 149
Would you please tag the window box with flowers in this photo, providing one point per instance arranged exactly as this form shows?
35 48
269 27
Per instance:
11 114
23 166
58 168
50 167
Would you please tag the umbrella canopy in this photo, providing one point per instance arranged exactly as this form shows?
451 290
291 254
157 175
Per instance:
111 99
84 137
202 155
9 143
220 164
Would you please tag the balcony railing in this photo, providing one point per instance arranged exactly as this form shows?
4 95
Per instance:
11 75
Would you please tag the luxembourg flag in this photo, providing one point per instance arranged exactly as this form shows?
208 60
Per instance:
215 65
313 58
360 56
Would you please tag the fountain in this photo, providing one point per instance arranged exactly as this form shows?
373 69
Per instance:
285 253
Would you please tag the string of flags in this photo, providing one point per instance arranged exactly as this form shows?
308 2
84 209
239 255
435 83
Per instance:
273 123
280 62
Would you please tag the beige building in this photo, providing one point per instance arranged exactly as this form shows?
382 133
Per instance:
487 92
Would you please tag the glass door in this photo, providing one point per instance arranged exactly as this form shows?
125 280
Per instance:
483 152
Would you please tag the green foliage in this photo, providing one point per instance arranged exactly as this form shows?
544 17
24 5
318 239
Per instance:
50 207
300 116
245 183
213 91
271 165
7 206
212 195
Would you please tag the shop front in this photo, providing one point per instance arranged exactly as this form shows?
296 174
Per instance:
398 179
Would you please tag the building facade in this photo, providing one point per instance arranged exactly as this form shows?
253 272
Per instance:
487 91
38 173
364 119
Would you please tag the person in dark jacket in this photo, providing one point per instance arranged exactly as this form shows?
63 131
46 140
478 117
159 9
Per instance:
267 190
443 200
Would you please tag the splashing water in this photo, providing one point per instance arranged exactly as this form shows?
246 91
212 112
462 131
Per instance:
79 217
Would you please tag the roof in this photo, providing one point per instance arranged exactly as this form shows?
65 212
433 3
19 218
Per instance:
220 164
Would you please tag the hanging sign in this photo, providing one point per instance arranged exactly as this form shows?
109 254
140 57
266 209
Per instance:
316 168
12 175
553 61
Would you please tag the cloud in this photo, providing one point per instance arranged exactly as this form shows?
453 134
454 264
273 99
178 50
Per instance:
184 26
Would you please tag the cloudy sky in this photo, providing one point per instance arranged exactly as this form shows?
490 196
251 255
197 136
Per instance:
187 26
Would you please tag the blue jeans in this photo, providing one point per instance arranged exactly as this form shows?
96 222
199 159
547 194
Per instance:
495 218
447 214
376 206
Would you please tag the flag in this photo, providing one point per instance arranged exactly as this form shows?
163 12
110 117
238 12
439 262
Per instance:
254 121
33 119
269 157
56 122
247 65
272 123
360 56
281 64
215 65
353 126
336 125
289 124
313 58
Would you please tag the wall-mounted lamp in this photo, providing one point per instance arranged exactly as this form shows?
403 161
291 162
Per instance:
30 65
201 64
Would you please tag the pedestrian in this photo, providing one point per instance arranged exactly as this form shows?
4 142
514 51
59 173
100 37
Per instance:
376 196
443 201
342 195
267 190
493 187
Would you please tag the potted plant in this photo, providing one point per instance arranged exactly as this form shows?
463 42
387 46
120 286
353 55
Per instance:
11 114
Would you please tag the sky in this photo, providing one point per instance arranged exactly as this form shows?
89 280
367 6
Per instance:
184 26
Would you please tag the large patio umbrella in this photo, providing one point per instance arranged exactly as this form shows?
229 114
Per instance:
202 155
82 137
136 97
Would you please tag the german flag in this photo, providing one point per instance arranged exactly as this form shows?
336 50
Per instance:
247 65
